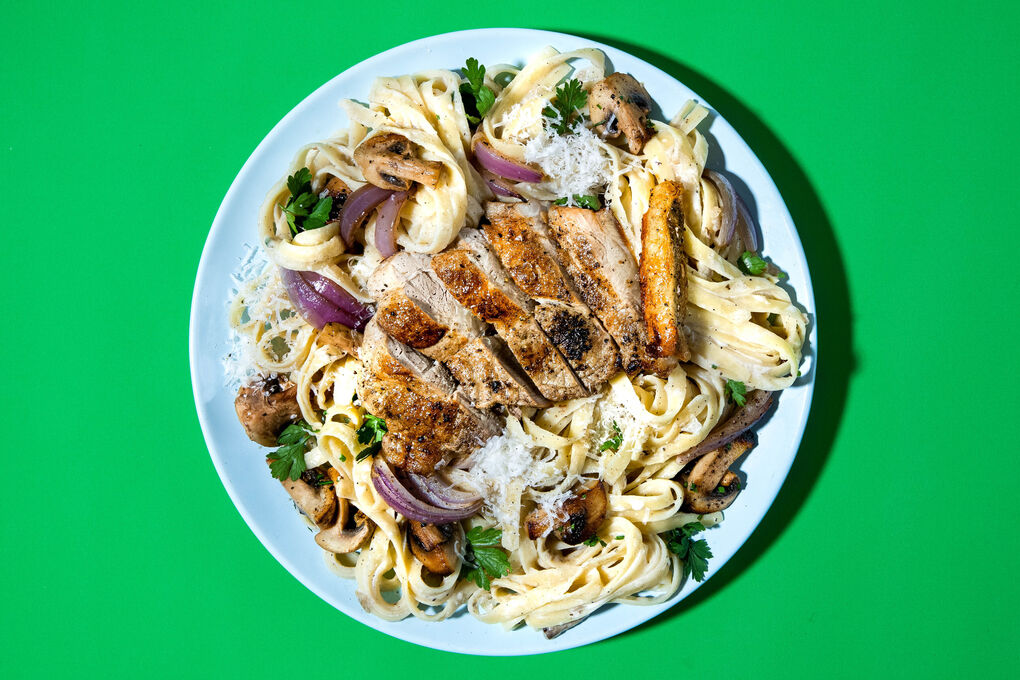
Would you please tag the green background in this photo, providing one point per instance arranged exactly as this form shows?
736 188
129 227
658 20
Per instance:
890 130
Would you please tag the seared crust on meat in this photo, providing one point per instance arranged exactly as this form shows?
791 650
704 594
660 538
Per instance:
472 275
426 419
605 275
488 375
405 321
416 309
514 239
465 280
663 272
520 239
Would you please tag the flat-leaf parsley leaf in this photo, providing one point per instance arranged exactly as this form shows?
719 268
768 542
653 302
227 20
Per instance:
694 554
614 442
305 210
563 108
482 96
586 201
288 461
735 390
370 434
752 264
484 560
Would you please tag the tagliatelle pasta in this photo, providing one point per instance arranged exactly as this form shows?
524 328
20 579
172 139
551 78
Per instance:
741 327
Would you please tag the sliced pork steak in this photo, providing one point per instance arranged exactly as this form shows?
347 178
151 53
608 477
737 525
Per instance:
473 275
417 310
520 238
594 252
427 419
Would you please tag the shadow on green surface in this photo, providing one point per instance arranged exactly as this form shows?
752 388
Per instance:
832 302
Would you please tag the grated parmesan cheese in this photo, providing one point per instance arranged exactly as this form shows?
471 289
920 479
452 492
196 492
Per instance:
239 364
501 471
574 164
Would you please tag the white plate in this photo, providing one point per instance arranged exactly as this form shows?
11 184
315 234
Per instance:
261 500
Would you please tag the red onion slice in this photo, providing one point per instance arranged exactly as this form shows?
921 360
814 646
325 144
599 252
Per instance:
729 205
441 494
497 163
745 226
386 223
313 307
336 294
499 186
358 206
398 497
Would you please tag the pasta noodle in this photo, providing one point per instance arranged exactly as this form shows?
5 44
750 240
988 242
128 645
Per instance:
742 327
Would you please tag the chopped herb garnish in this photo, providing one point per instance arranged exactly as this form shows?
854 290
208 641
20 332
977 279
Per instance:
481 95
620 537
585 201
694 554
304 209
735 391
288 461
614 442
594 541
752 264
563 108
484 560
370 434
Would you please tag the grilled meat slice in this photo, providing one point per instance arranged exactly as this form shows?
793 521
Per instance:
475 278
488 375
486 371
426 418
520 238
404 319
596 256
663 272
416 309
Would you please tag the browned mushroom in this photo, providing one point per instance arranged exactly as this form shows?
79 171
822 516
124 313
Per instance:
709 485
317 501
389 161
756 405
338 190
265 407
621 104
585 511
435 546
345 535
340 337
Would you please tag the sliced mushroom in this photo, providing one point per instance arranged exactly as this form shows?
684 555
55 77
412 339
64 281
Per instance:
756 405
621 104
340 337
709 485
338 190
435 546
388 161
345 536
265 407
551 632
585 511
317 502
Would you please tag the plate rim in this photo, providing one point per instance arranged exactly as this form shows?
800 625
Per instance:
436 642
